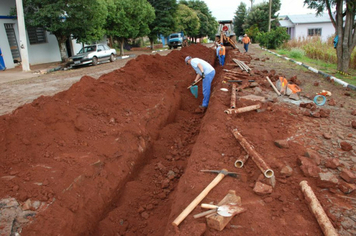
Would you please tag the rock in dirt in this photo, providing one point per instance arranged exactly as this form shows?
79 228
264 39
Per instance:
281 143
347 175
345 146
331 102
353 113
346 187
308 167
327 180
353 124
287 171
313 155
332 163
327 135
262 189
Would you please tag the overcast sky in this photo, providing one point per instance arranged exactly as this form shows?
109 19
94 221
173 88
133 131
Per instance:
225 9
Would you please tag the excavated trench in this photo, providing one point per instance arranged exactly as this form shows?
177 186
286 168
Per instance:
105 155
122 155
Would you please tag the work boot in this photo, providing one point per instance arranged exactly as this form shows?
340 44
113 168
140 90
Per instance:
200 110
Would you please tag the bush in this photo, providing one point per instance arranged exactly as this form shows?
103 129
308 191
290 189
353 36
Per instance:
273 39
296 53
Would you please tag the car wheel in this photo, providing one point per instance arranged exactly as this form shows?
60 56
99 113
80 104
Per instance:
170 47
112 57
95 61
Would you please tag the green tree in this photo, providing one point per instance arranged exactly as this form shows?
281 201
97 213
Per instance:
83 19
164 22
208 23
252 32
344 24
259 15
273 39
239 19
128 19
187 20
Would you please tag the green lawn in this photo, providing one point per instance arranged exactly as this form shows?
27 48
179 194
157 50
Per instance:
328 68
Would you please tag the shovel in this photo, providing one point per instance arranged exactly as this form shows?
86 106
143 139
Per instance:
194 88
223 210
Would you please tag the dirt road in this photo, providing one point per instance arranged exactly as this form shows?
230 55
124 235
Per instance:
121 154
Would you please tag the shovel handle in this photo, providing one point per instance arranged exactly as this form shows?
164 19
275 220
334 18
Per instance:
208 206
195 83
205 213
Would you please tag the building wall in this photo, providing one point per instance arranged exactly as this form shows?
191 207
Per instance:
38 53
327 30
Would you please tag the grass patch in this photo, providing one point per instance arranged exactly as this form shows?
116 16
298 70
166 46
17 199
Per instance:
319 55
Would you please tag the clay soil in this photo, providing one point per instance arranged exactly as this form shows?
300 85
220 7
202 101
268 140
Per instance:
121 154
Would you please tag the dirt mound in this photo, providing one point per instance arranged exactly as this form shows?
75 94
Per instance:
122 155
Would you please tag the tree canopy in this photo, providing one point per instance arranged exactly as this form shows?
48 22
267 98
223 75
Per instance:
239 19
208 23
128 19
64 18
344 23
164 23
187 20
259 15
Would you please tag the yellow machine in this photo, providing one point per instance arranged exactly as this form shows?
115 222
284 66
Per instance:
226 34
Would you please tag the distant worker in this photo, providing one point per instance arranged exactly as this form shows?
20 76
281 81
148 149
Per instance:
222 54
205 71
246 40
217 49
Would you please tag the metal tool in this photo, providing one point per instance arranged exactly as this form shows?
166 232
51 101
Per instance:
223 171
194 88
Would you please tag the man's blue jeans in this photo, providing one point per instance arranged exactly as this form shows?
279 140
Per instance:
207 87
246 47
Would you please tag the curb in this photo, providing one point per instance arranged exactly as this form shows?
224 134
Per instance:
332 78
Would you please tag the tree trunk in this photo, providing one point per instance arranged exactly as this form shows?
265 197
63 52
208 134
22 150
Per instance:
151 42
62 47
122 41
346 34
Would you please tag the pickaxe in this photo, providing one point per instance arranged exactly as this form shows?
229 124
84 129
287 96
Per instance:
221 174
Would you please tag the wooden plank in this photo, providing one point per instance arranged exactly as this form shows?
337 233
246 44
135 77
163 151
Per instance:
218 222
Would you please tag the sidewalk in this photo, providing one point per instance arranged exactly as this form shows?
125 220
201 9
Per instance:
10 75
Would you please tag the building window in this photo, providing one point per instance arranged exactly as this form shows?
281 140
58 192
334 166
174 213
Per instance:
36 35
314 32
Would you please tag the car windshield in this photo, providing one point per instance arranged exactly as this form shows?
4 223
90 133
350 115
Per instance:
174 36
87 49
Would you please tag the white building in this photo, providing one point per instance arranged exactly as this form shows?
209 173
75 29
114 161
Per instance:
303 26
42 46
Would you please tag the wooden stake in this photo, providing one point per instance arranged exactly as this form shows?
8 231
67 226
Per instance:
274 87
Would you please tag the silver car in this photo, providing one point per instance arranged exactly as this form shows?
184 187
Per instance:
93 54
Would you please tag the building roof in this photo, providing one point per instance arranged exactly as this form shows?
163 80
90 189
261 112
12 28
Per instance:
286 23
308 18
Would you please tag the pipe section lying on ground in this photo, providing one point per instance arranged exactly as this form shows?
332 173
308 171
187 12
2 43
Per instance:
242 64
318 211
274 87
257 158
239 163
233 97
242 109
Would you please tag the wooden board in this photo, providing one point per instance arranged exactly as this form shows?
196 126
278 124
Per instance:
219 222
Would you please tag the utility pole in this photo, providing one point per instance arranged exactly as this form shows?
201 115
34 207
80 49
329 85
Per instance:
22 36
269 18
252 3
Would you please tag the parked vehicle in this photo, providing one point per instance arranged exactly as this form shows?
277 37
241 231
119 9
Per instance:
93 54
177 40
240 39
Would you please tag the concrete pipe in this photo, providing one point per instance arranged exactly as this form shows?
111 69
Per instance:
318 211
243 109
239 163
256 157
233 96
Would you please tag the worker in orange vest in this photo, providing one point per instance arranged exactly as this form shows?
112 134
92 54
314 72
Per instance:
222 54
246 40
